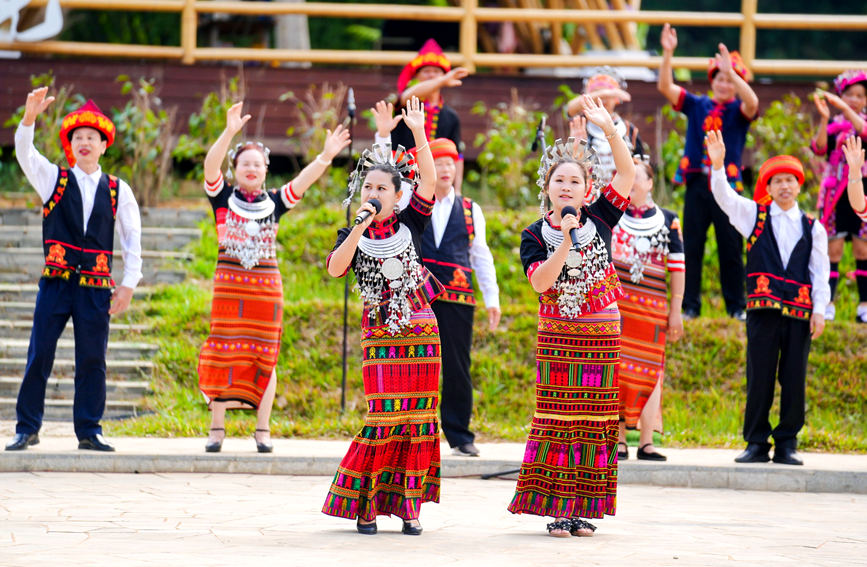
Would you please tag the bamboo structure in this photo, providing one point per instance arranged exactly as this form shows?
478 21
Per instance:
529 17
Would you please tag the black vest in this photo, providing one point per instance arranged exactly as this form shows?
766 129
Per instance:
69 252
770 285
450 263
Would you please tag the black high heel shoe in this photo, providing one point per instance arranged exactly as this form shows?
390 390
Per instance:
263 447
366 529
409 529
215 446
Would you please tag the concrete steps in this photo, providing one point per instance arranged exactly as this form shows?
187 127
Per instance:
129 360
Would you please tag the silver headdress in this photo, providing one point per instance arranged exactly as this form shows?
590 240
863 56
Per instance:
266 151
380 154
570 150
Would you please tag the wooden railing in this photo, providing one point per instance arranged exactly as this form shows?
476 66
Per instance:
469 15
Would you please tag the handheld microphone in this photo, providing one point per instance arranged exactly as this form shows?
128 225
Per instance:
540 133
350 103
569 210
362 216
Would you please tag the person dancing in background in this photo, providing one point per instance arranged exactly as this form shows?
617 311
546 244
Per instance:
569 469
424 77
607 84
835 212
237 362
852 148
732 109
646 245
393 464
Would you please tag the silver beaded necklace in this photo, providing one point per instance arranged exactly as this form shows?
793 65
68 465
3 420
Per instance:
649 237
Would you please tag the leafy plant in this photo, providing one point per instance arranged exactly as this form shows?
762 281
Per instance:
507 168
145 135
204 127
319 109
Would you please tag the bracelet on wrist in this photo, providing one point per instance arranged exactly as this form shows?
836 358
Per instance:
677 296
856 180
322 160
421 147
611 135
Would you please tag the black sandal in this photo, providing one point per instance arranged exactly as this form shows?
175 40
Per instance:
263 447
565 525
578 525
624 454
216 445
643 455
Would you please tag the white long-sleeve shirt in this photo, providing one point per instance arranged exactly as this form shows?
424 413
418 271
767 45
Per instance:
42 175
481 260
787 229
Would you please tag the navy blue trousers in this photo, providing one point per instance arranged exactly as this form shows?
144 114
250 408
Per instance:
56 302
777 351
455 322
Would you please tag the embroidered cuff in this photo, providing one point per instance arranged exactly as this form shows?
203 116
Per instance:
212 189
290 199
679 105
817 150
614 198
421 204
328 261
533 268
676 262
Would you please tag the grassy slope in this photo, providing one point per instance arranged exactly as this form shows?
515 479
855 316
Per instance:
703 397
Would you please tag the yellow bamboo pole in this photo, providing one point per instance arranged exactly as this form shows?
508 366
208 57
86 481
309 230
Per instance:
96 49
333 9
468 36
748 32
811 22
327 56
712 19
116 5
189 27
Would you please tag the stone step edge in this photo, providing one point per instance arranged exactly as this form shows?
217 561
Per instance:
54 381
161 254
139 291
61 403
68 362
114 327
68 343
184 230
686 476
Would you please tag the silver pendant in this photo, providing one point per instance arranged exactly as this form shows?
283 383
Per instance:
252 228
392 268
573 272
642 244
573 259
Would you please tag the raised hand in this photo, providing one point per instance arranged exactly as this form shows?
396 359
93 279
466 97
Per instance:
413 114
821 105
716 148
234 120
835 100
35 105
668 39
383 116
578 127
335 142
453 77
596 113
724 59
854 154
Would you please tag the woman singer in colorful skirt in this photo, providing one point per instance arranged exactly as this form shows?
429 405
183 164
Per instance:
393 463
570 462
237 361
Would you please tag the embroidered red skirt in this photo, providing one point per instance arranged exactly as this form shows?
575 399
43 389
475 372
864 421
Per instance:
393 463
570 461
237 360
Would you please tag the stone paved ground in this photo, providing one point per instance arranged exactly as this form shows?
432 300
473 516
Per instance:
257 520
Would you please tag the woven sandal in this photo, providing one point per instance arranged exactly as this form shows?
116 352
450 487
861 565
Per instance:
564 526
581 528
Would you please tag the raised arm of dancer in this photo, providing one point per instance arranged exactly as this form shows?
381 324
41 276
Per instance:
855 185
749 98
385 120
334 144
214 159
820 142
622 182
546 274
847 111
665 83
424 89
677 282
41 173
413 117
740 210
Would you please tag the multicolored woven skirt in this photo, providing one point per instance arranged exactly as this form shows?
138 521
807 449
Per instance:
644 308
237 360
393 463
570 462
